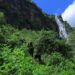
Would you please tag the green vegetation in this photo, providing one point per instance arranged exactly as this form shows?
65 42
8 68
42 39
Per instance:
72 38
29 52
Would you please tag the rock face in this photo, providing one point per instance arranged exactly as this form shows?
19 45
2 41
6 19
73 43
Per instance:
67 26
24 13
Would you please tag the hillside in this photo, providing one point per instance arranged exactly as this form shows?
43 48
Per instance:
16 57
29 52
29 42
24 13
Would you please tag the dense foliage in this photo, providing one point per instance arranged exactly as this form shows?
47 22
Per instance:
29 52
72 38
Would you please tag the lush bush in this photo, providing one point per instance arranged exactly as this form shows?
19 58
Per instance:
72 38
15 58
49 43
55 59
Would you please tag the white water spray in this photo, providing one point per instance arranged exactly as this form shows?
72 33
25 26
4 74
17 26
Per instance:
62 31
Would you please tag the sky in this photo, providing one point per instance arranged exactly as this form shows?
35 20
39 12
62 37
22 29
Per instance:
69 14
66 8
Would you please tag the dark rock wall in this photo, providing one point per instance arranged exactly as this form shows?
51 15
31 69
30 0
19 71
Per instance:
24 13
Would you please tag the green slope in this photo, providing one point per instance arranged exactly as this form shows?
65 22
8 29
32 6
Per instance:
18 58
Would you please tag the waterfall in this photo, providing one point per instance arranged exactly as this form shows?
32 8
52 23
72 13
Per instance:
62 31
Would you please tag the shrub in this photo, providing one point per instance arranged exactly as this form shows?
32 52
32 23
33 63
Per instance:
49 43
54 59
64 48
45 42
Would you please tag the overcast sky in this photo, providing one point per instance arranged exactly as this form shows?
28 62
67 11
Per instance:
64 7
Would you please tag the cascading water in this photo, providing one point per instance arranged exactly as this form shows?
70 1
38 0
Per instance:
62 31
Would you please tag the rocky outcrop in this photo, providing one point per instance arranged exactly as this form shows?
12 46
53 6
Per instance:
24 13
67 26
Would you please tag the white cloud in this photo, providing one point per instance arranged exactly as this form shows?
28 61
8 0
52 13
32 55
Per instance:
69 14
